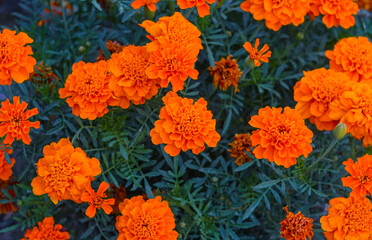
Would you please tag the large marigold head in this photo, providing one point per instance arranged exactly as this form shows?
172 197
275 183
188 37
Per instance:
64 172
348 218
296 226
150 220
46 230
14 121
315 91
353 56
242 143
172 29
150 4
87 90
354 108
15 60
281 137
129 81
226 73
184 125
5 167
201 5
277 12
8 206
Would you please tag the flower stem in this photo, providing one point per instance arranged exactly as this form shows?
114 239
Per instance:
333 143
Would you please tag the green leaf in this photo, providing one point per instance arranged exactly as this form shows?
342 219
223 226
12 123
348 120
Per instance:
266 184
7 158
123 152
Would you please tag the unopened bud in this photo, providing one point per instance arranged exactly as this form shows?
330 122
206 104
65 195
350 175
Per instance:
81 49
339 131
214 179
88 44
182 224
300 36
228 33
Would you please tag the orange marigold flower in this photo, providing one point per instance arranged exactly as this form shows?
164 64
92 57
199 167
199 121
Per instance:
87 90
360 180
150 4
258 56
96 200
184 125
14 121
365 4
173 63
46 230
201 5
282 137
354 108
5 167
64 172
226 73
352 56
242 143
9 206
336 12
129 81
296 226
315 91
151 219
348 218
112 47
172 29
15 60
118 194
277 13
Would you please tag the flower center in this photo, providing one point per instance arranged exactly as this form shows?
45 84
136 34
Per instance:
60 174
355 217
98 200
364 179
188 121
135 70
145 226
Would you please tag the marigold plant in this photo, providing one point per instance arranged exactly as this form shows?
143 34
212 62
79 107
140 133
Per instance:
348 218
140 219
315 91
5 167
353 56
150 4
201 5
226 73
281 137
8 206
296 226
14 121
242 143
46 230
112 47
64 172
97 200
258 56
184 125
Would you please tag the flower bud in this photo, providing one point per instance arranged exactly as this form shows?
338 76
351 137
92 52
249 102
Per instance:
228 33
81 49
88 44
339 131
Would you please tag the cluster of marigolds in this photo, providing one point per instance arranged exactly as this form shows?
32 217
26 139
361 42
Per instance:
339 96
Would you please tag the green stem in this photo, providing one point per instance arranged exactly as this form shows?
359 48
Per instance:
333 143
149 15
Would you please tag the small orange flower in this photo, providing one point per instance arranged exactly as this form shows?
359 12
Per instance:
348 218
258 56
360 180
296 226
9 206
282 137
112 47
148 3
64 172
242 143
5 167
46 230
226 73
15 60
336 12
353 56
354 108
118 194
129 81
277 13
365 4
151 219
201 5
96 200
87 90
315 91
172 29
184 125
14 121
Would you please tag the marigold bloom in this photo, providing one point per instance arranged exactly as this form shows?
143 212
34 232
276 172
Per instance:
296 226
5 167
201 5
315 91
258 56
365 4
150 4
336 12
348 218
173 63
226 73
112 47
15 60
151 219
242 143
172 29
360 180
184 125
87 90
9 206
281 137
129 81
354 108
64 172
14 121
353 56
46 230
277 13
96 200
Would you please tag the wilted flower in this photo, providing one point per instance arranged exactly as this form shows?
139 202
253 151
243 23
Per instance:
242 143
97 200
365 4
258 56
5 167
112 47
296 226
46 230
9 206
